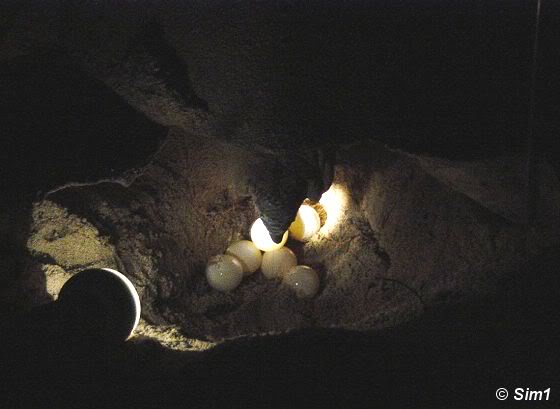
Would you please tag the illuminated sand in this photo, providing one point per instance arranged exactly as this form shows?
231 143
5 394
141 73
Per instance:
373 255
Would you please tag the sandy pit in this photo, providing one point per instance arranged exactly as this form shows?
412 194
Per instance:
397 242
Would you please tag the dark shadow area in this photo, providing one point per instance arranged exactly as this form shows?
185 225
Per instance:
547 112
59 126
452 357
62 126
446 80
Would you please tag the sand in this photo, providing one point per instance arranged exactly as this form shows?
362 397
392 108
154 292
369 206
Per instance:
397 242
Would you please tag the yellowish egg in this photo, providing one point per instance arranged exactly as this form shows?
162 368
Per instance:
276 263
224 272
248 255
303 280
261 237
306 224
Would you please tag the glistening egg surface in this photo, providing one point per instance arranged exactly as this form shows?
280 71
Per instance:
261 237
224 272
306 224
276 263
303 280
247 253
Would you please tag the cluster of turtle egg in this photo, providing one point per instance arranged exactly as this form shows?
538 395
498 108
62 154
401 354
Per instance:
225 272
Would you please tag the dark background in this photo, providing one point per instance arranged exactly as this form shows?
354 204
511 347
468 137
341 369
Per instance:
451 80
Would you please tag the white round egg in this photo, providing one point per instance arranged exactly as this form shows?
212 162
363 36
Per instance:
224 272
306 224
303 280
248 255
276 263
261 237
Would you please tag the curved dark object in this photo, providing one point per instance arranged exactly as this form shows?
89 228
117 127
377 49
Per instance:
286 80
281 184
109 303
289 168
278 192
437 78
155 80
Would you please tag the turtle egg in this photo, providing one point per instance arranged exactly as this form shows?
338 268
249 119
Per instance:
224 272
276 263
261 237
306 225
247 254
303 280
